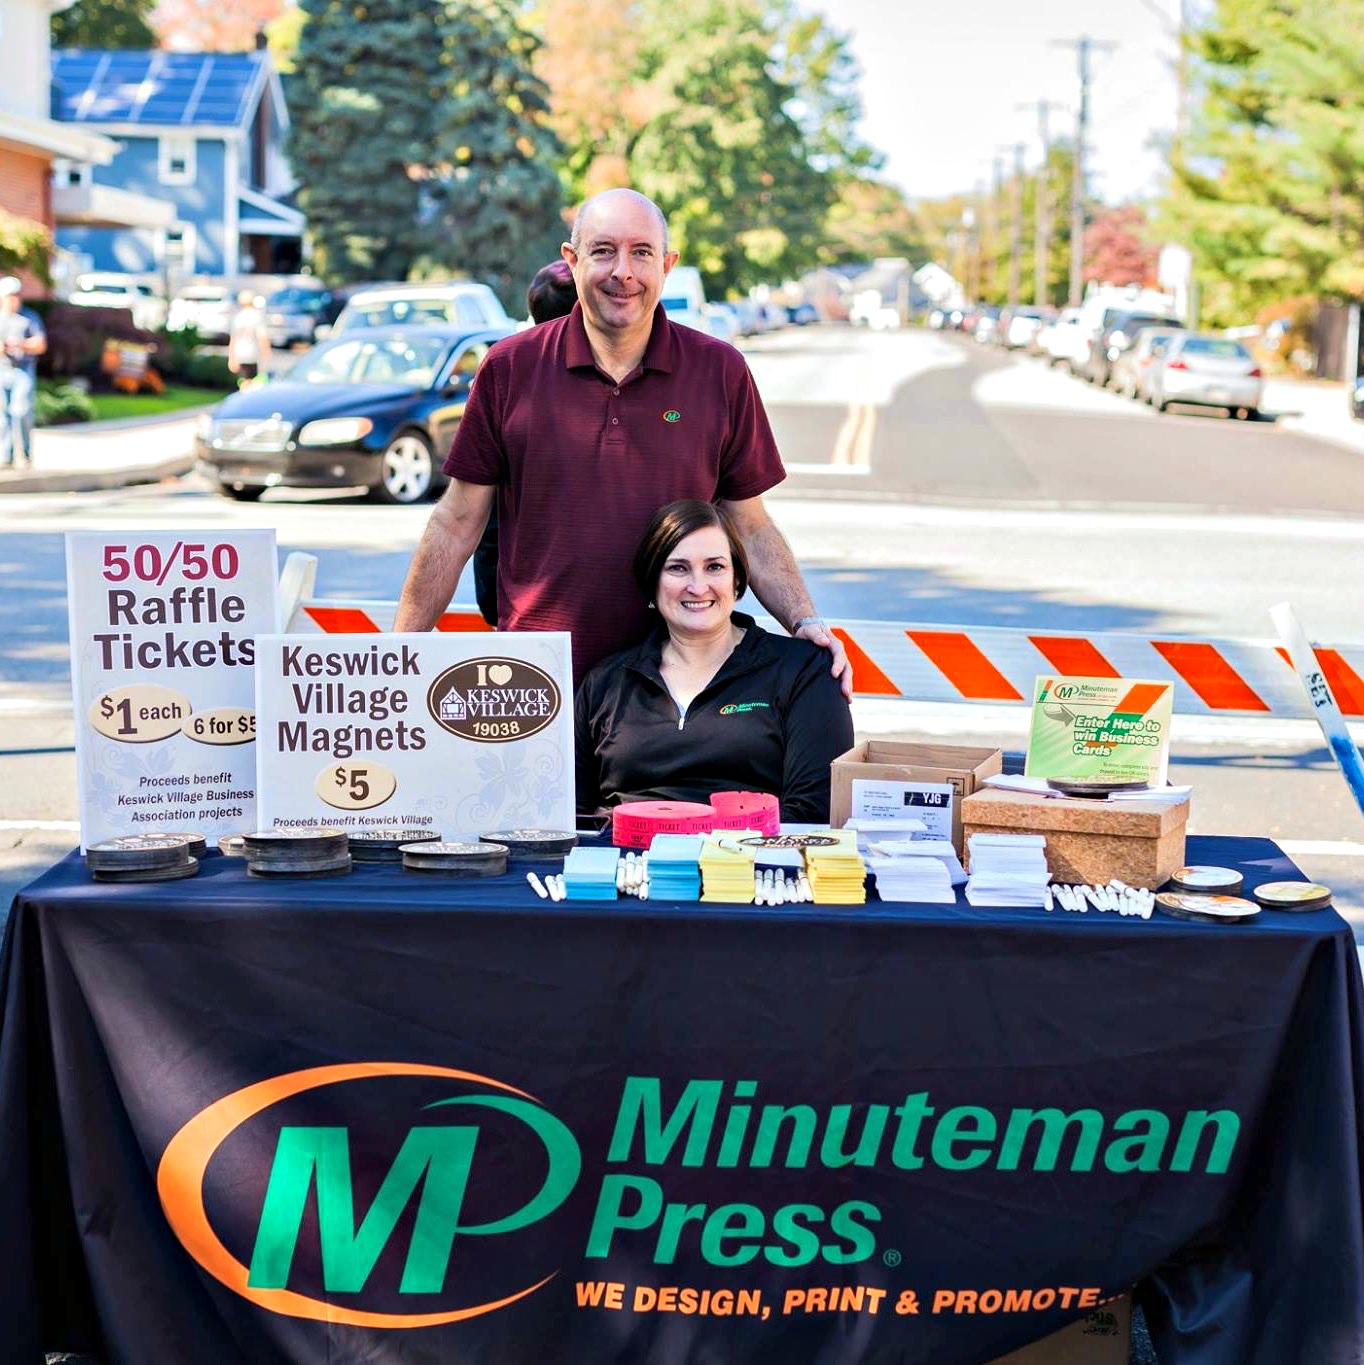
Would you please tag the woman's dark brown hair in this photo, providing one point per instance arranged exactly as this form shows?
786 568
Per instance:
673 524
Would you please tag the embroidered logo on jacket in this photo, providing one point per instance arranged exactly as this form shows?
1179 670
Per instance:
738 708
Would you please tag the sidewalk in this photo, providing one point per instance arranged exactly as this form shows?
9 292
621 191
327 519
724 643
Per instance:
87 456
1319 408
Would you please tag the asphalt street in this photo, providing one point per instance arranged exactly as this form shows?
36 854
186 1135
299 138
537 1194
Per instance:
931 481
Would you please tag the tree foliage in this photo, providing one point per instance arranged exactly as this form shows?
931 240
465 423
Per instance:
368 77
738 116
493 189
24 245
211 25
1268 185
122 24
1117 250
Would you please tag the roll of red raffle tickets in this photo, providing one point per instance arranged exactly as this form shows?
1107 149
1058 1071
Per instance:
634 823
747 810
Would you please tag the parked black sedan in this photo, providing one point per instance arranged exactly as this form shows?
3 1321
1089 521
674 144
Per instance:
376 409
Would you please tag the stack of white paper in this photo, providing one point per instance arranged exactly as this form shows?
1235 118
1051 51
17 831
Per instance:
1008 869
913 879
941 849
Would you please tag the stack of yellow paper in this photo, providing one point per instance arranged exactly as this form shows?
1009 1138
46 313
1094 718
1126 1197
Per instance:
727 867
837 872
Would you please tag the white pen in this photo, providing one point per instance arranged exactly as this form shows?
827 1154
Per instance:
537 886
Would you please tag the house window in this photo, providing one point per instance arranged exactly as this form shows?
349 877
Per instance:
69 173
177 249
175 164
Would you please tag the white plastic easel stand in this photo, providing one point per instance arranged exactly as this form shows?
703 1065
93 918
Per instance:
1318 690
297 582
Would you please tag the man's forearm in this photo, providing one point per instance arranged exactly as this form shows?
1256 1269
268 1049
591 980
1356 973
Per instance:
775 576
449 539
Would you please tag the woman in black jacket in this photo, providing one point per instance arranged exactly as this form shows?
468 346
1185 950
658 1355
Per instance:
711 701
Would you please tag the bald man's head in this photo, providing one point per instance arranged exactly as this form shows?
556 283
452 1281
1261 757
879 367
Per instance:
618 252
614 200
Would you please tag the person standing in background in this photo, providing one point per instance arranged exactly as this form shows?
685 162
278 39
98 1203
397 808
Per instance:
22 341
248 343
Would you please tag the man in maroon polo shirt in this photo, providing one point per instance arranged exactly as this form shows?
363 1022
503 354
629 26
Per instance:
583 427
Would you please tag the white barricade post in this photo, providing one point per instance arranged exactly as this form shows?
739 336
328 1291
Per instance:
1333 727
161 677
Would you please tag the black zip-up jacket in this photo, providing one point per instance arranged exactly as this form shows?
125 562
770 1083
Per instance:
771 720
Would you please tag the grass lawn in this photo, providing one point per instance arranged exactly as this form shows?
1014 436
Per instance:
111 405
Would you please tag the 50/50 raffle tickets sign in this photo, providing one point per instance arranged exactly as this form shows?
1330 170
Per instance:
162 661
455 733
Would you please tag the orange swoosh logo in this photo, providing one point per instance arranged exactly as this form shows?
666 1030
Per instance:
180 1185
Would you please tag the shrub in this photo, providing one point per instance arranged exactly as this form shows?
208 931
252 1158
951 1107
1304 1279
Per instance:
176 352
76 337
55 403
208 372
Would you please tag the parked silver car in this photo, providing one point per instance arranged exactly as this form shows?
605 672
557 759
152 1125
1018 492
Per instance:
1209 371
1135 367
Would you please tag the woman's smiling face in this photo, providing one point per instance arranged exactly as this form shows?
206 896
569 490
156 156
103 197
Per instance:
696 588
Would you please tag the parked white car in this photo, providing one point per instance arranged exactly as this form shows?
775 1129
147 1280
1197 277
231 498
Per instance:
1065 341
108 289
474 305
1209 371
684 298
208 308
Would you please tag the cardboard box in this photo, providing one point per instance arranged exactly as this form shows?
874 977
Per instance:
1137 842
1104 1337
961 766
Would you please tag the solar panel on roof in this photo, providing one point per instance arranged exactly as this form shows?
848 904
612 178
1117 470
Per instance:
152 87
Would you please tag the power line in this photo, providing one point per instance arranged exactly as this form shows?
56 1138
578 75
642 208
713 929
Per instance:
1083 46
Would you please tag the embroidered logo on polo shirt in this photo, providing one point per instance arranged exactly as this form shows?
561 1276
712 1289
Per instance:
738 708
672 415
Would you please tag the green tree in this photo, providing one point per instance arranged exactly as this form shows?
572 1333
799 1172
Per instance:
105 24
368 77
494 189
1268 183
870 218
724 157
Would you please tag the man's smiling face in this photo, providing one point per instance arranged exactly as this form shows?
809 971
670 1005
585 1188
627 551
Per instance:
619 263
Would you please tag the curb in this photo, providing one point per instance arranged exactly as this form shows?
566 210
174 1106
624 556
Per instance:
164 419
94 480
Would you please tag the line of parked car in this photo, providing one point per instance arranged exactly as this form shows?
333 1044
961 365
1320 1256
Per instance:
376 401
1131 340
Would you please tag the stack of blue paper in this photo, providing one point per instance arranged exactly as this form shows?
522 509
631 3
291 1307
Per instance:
590 874
675 867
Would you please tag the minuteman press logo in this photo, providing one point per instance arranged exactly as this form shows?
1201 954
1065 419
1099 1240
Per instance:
672 415
367 1221
494 700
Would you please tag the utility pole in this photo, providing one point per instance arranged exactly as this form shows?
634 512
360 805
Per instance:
1016 226
1083 46
1042 206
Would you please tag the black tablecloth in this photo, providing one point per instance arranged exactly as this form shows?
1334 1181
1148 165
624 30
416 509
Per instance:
882 1105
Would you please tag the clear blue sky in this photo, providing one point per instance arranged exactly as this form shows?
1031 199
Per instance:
941 80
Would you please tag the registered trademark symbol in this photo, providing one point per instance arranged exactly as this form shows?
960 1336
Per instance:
891 1257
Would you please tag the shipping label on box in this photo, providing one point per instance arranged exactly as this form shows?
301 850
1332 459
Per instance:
932 802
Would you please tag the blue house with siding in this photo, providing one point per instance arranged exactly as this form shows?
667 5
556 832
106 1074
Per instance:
201 130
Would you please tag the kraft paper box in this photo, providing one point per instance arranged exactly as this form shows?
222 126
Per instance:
960 766
1103 1337
1140 843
